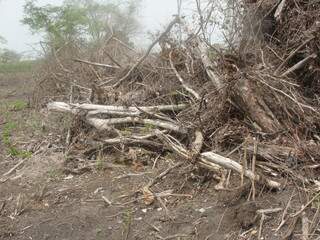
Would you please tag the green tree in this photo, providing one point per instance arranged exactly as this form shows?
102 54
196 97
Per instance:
82 20
9 56
2 40
60 24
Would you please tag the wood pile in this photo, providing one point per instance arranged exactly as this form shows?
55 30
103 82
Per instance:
251 109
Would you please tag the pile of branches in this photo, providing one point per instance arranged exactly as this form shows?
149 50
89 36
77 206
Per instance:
251 108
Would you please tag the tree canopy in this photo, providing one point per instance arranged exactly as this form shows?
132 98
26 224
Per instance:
9 56
82 20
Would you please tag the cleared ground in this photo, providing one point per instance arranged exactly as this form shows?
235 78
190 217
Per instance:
44 198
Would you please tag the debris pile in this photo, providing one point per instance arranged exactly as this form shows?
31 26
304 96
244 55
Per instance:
252 109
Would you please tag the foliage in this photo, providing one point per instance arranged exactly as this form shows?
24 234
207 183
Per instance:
12 127
81 21
19 105
9 127
2 40
9 56
17 67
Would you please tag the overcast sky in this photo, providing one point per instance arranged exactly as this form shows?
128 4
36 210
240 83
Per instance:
155 14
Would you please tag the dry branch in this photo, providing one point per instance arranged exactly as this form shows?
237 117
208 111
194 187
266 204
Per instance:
216 80
247 94
299 65
292 54
233 165
120 110
14 168
218 162
168 29
103 124
197 144
133 141
95 64
279 10
184 85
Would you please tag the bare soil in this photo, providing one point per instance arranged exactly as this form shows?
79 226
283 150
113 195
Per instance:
45 199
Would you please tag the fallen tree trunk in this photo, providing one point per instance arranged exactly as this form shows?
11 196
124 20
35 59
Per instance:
103 124
253 104
120 110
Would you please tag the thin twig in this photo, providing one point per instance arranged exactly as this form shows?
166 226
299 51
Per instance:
293 53
299 65
254 158
285 211
95 63
14 168
305 206
168 29
161 175
184 85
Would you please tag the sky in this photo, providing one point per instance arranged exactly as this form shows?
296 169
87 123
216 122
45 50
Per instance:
154 15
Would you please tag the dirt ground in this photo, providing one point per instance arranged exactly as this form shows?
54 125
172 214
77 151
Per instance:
43 198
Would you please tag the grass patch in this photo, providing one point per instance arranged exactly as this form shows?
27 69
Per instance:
16 67
55 174
12 126
18 105
9 127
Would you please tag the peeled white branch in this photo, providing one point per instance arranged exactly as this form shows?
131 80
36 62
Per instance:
94 109
209 65
197 144
96 64
103 124
217 162
292 54
299 65
184 85
279 10
233 165
131 141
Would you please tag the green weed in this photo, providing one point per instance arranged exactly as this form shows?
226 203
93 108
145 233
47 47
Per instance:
100 161
19 105
17 67
9 127
55 173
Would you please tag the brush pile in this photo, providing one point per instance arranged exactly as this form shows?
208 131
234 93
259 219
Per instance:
251 108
